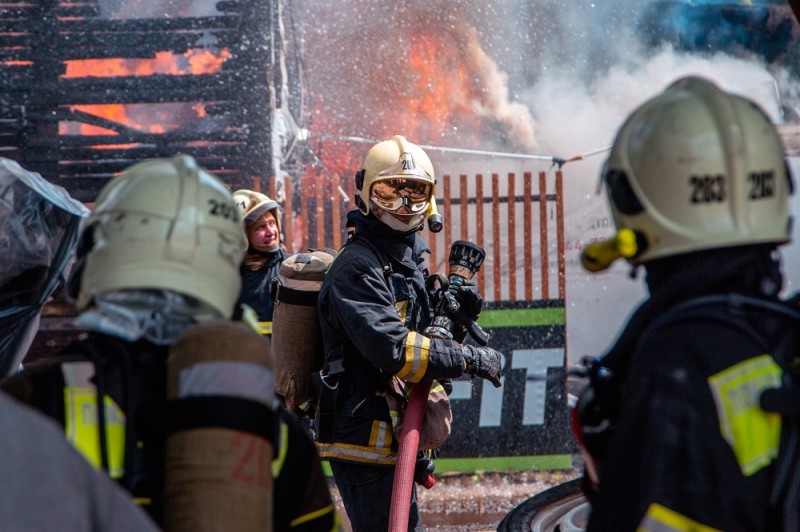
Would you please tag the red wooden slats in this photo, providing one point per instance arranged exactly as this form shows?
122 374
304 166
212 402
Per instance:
479 225
527 207
497 281
500 244
543 255
512 238
562 268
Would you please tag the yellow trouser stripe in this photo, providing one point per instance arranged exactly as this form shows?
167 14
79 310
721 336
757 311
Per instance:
313 515
754 435
661 519
416 354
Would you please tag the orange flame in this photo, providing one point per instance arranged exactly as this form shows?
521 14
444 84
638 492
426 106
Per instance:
440 90
192 62
159 118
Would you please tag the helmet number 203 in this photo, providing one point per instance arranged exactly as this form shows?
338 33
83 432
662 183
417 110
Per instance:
708 188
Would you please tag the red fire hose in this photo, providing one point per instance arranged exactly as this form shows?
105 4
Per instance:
407 456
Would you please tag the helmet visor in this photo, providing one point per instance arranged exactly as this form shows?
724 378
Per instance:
394 193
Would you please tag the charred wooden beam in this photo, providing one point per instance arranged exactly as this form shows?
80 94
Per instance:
99 25
158 88
178 136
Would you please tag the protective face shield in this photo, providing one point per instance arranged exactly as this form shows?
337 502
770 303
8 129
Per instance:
163 224
252 205
694 168
396 183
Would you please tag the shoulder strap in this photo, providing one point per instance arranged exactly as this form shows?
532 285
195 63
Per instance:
736 304
387 264
333 365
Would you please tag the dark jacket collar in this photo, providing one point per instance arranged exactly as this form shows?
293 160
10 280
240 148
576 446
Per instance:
405 249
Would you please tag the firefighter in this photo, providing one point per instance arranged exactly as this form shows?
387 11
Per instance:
373 307
156 282
261 219
674 421
46 483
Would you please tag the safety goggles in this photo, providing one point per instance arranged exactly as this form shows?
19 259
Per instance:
402 185
394 193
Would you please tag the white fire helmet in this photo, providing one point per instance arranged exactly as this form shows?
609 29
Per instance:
396 175
697 168
252 205
163 224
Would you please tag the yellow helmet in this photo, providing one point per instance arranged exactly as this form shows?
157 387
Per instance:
396 163
253 204
164 224
697 168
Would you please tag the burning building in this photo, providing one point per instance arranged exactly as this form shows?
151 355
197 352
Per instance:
90 87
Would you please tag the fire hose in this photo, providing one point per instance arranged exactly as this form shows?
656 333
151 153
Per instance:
407 456
465 260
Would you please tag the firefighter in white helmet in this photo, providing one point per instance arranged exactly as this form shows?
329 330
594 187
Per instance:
373 309
261 220
682 420
40 228
157 282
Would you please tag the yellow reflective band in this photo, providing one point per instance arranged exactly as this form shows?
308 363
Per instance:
380 437
402 309
395 415
357 453
264 327
282 450
314 515
416 353
250 317
81 428
661 519
754 435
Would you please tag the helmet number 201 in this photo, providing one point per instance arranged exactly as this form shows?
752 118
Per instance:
708 188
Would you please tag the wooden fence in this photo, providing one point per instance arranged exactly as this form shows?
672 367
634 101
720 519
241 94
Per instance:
517 219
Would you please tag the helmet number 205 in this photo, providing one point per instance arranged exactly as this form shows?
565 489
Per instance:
708 188
762 184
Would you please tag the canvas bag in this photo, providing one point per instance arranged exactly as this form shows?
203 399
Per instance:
436 425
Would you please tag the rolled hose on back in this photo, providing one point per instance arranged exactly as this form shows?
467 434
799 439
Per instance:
220 424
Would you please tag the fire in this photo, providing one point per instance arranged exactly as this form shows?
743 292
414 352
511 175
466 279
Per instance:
192 62
435 94
441 86
156 118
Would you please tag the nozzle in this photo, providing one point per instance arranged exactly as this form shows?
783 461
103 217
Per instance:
598 256
435 222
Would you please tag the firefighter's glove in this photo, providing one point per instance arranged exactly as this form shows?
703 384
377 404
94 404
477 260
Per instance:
470 301
483 362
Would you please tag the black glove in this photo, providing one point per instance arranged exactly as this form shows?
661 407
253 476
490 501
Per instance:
483 362
469 299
